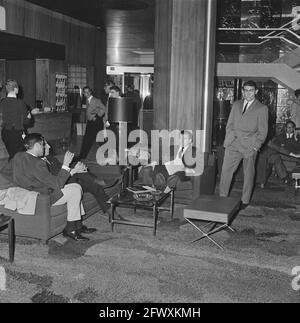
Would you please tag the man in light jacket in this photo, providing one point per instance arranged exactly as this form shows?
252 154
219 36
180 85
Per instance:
246 131
95 110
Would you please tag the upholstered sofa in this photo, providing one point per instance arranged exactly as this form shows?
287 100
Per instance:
49 221
188 191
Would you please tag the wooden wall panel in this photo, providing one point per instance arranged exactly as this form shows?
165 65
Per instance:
3 151
26 19
24 73
128 31
2 71
42 80
100 68
85 44
162 63
181 69
188 46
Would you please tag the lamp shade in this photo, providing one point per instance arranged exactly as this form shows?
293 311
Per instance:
121 110
221 109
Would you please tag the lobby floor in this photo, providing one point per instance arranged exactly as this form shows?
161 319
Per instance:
130 265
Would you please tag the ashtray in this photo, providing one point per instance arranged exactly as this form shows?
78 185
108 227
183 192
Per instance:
142 197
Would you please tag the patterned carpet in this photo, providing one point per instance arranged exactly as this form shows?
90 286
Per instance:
131 265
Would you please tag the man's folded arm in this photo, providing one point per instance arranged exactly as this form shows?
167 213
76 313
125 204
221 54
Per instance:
44 176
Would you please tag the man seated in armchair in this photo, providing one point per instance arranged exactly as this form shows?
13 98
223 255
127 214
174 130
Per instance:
184 161
88 181
284 147
29 171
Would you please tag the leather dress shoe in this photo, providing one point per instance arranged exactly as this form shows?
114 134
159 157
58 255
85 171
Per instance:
85 229
75 236
106 183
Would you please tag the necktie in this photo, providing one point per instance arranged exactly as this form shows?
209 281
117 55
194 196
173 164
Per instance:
46 160
245 108
180 153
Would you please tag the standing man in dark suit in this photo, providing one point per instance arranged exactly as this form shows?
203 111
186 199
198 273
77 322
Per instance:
246 131
106 89
95 111
15 117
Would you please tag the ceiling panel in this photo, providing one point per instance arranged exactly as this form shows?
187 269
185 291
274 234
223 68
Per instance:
129 24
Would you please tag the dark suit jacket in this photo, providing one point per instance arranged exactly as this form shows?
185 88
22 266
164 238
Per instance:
32 173
247 131
285 145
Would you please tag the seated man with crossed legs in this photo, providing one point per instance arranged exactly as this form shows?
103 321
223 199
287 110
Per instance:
29 171
181 165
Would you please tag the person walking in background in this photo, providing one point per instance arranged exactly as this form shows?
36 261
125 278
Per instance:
15 118
95 111
246 131
107 85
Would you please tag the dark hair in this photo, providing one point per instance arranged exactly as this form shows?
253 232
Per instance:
297 92
250 83
187 132
33 138
87 88
290 122
109 82
116 88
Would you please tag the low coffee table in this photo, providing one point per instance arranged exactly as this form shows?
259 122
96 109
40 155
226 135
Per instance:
126 199
216 211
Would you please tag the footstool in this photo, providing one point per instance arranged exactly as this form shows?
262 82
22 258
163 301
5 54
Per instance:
217 212
296 177
7 221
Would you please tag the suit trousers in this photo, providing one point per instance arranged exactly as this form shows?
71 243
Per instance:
92 128
232 159
72 195
87 182
275 159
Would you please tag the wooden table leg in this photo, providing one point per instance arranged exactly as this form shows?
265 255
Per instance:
11 240
113 207
155 216
172 204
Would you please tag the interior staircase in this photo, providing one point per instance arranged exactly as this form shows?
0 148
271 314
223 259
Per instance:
279 73
283 70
